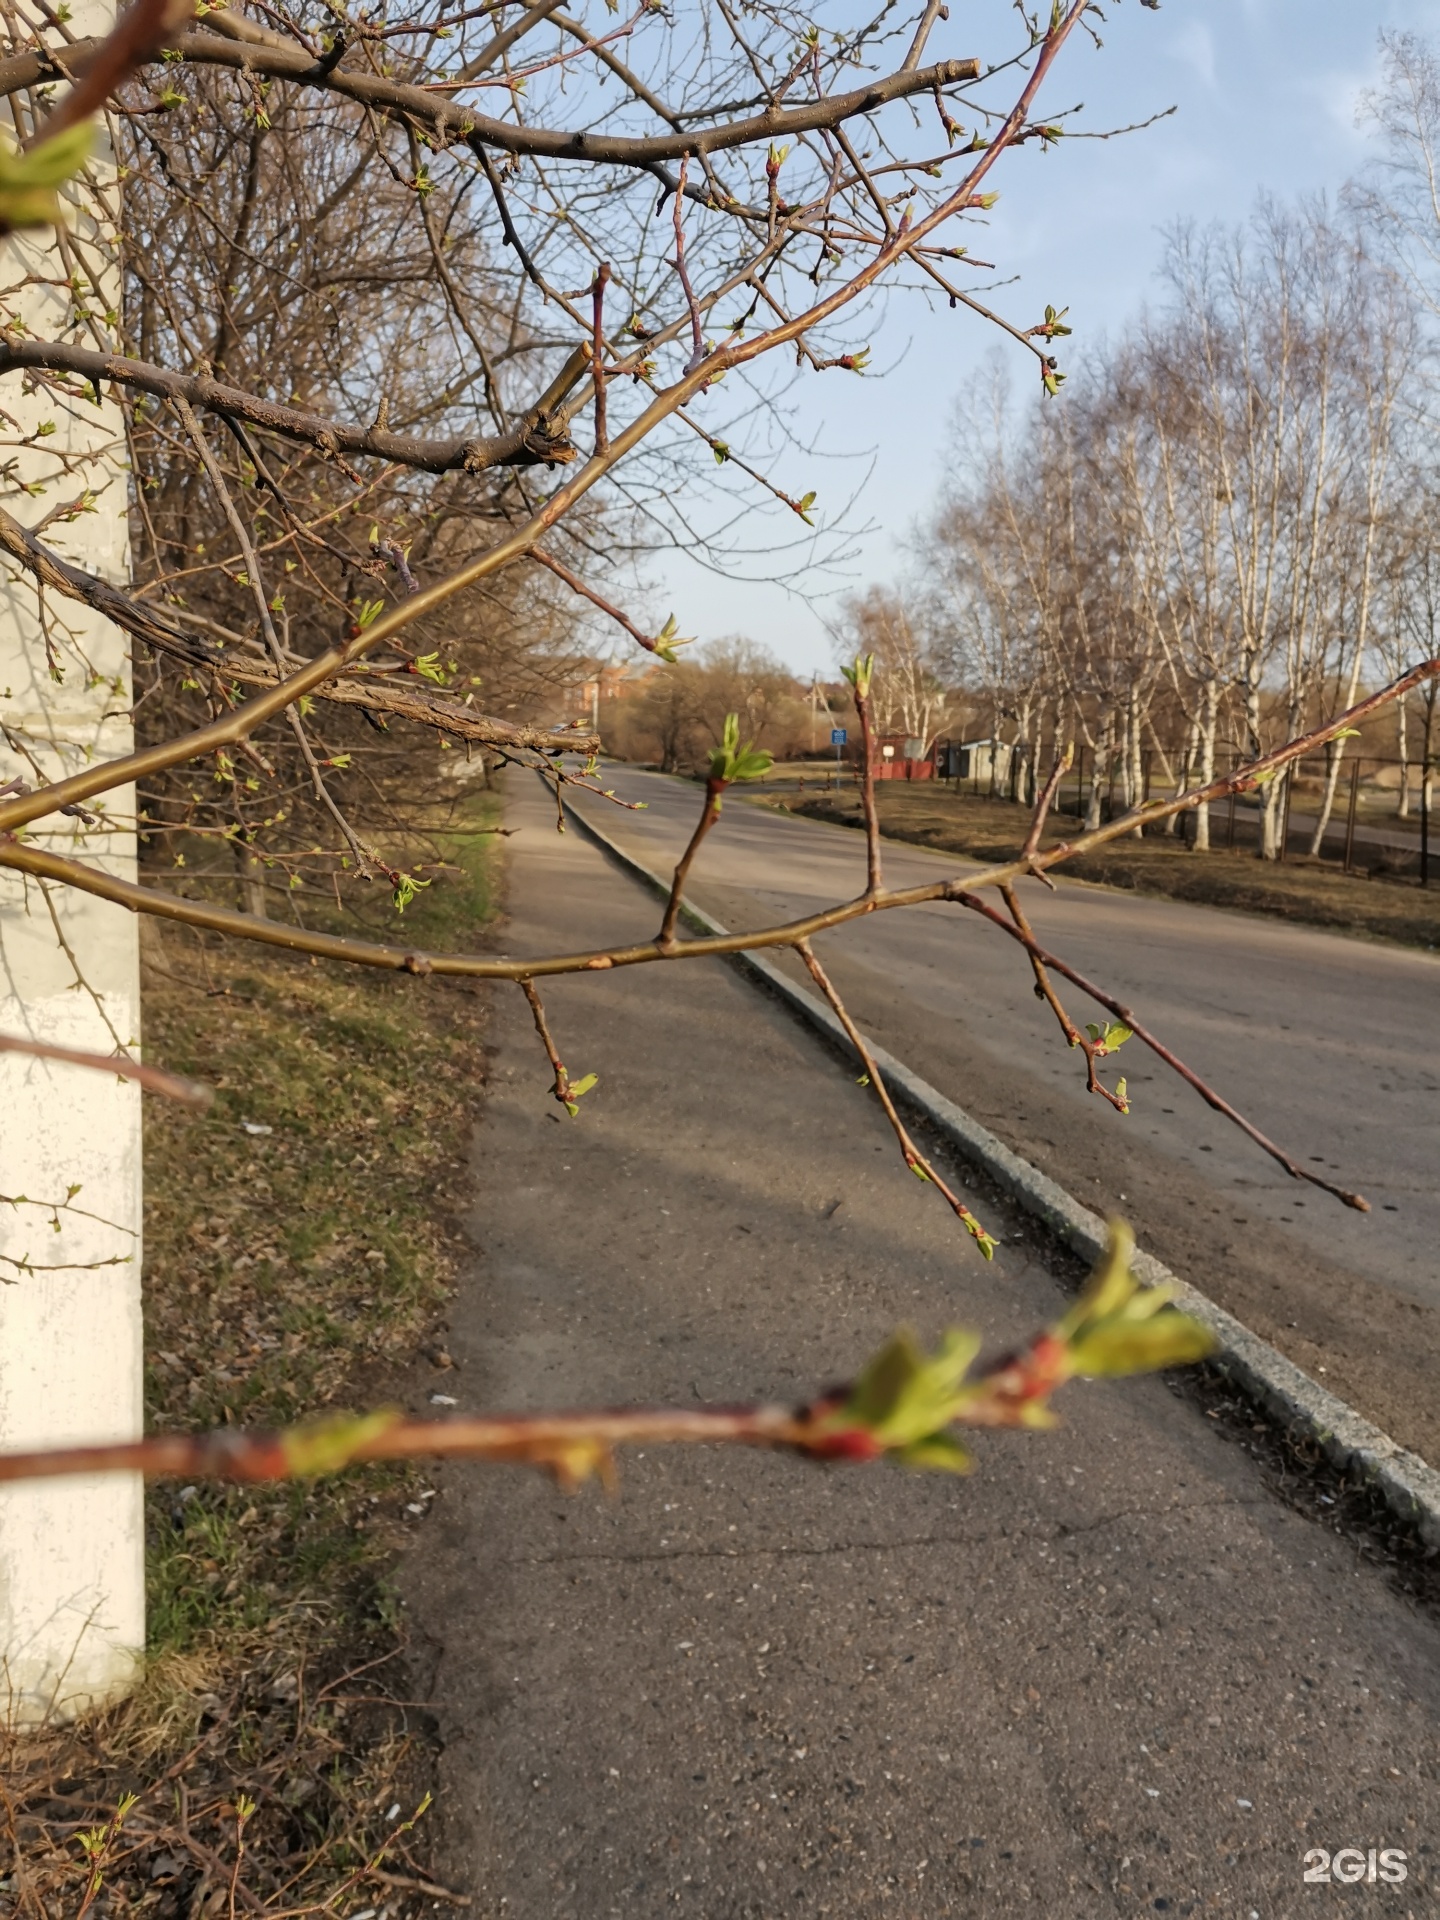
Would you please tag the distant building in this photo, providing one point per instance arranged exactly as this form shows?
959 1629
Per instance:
594 682
983 763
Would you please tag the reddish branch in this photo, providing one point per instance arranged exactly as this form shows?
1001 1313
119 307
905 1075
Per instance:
709 814
597 355
914 1159
1124 1013
1093 1050
572 1446
1044 801
577 585
190 1093
552 1054
233 1454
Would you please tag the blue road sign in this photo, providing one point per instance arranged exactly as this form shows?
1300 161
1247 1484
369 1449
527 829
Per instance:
838 736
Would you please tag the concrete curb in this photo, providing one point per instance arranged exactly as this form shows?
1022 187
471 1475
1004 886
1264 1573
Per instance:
1408 1484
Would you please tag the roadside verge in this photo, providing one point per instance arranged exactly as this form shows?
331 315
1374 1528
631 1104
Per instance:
1408 1484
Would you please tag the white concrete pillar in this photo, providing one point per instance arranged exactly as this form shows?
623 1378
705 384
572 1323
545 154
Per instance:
72 1595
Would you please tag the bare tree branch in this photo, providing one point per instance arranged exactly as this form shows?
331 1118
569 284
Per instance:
162 628
1206 1092
256 51
173 1086
540 437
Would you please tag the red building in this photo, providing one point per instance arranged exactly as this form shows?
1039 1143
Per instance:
899 758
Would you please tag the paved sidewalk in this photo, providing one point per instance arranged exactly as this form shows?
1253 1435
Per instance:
1107 1675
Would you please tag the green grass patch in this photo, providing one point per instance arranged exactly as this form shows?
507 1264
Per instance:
297 1238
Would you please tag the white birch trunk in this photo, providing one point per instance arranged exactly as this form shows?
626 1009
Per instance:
72 1619
1206 729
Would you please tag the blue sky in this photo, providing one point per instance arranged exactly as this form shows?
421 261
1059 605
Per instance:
1266 91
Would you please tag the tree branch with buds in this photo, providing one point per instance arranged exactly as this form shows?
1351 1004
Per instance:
903 1406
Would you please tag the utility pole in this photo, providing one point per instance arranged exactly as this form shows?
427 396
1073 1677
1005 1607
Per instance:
72 1619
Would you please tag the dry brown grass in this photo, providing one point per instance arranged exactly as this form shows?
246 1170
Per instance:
1382 905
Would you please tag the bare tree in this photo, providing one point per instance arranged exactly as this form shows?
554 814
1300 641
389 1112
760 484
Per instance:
910 696
1199 523
990 567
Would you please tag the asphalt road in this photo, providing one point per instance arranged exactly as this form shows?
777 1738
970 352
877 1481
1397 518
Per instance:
1108 1675
1330 1045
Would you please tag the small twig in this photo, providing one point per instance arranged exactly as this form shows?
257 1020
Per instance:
243 1810
56 1207
1045 991
697 333
577 585
502 42
214 1868
405 1884
914 1159
958 297
873 867
190 1093
97 999
1044 802
552 1053
597 356
709 814
24 1264
877 199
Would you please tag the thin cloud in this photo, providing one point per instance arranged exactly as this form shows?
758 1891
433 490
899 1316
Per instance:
1194 47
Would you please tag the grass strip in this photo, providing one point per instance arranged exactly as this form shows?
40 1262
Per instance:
1380 905
299 1249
